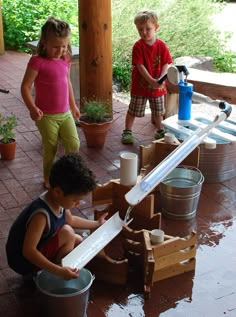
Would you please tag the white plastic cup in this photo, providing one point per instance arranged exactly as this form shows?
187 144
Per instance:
128 168
169 137
157 236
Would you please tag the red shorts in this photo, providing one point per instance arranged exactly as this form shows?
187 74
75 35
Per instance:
50 248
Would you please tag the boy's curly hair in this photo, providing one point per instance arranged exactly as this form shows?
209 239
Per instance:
144 16
72 175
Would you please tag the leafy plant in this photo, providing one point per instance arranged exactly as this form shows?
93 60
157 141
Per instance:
7 125
95 111
23 19
122 70
185 25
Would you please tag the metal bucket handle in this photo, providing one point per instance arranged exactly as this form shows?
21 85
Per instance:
193 168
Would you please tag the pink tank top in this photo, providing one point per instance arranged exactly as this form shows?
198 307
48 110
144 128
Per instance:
51 84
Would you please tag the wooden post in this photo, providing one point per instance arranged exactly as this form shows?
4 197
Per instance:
1 32
95 46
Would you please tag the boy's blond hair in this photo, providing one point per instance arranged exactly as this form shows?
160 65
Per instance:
144 16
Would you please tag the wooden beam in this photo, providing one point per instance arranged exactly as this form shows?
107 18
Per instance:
2 50
220 86
95 50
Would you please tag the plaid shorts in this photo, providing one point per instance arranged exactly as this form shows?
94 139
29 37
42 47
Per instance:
138 104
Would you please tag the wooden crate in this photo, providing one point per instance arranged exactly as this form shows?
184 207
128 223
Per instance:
172 257
152 154
113 194
111 265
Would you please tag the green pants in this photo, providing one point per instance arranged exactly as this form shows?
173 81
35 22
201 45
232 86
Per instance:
55 127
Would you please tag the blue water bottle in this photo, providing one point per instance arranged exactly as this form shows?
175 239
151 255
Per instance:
185 100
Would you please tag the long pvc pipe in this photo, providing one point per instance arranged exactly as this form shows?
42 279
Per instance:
153 178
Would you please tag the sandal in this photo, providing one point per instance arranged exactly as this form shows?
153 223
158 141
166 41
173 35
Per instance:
159 134
127 137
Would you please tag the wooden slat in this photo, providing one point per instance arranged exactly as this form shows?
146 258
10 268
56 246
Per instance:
174 270
113 194
145 208
133 246
102 194
171 104
146 154
157 151
174 244
149 269
220 86
147 242
135 235
174 258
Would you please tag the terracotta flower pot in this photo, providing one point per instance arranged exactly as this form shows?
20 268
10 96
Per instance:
8 150
95 133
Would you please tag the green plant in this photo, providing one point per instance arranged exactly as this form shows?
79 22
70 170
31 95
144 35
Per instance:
23 19
122 70
185 25
7 125
95 111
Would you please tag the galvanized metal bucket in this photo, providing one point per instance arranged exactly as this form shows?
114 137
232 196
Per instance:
180 192
65 297
218 165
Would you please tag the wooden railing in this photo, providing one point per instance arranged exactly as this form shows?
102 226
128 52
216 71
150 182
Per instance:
221 86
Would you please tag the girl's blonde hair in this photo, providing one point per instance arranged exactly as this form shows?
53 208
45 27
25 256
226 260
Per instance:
53 27
144 16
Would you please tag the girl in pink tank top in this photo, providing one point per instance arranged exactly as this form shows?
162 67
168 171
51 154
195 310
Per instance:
53 107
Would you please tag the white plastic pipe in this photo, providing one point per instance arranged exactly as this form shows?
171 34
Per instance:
205 99
151 180
128 168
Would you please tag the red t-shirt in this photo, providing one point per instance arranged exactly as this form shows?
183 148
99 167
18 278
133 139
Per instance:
153 57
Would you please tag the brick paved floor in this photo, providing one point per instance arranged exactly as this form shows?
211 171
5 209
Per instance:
208 291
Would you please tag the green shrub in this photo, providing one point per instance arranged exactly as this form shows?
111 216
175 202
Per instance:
95 111
185 25
23 19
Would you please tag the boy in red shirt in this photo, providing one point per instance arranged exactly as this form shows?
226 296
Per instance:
150 59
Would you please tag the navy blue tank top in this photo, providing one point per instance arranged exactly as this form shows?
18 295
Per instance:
17 232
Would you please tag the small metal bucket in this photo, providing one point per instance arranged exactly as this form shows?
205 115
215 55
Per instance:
180 192
65 297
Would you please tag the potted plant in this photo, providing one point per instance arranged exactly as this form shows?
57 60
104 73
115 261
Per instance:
7 136
95 121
